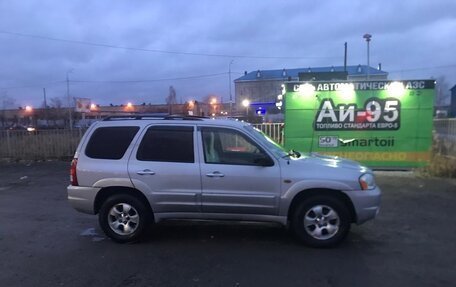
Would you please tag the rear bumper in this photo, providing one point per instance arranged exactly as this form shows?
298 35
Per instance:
82 198
366 203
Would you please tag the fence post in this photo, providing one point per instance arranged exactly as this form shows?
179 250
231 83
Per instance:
8 144
449 126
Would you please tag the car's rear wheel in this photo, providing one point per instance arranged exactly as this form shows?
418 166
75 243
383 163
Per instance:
123 218
321 221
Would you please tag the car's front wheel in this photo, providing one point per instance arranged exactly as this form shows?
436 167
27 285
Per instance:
321 221
123 218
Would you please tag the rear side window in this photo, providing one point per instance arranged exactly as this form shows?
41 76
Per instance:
167 144
110 142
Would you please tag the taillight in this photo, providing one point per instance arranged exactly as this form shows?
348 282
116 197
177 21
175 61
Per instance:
73 176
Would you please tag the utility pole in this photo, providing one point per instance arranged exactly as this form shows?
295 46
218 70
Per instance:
45 107
345 57
68 97
368 39
229 80
44 94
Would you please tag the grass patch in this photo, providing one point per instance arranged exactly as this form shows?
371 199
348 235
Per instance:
440 166
443 162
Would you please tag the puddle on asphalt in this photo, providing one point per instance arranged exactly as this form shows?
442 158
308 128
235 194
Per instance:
23 180
91 232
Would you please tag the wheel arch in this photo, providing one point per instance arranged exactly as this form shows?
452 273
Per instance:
308 193
107 192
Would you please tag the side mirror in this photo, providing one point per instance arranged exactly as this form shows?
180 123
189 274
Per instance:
263 160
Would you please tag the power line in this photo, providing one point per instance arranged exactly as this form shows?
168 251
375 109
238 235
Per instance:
116 81
156 50
148 81
34 85
423 68
47 84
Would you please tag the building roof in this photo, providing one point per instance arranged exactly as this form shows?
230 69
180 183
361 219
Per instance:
353 71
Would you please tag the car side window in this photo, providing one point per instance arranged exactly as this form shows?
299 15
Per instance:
167 144
227 146
110 142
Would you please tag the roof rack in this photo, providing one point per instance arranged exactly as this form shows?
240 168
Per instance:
185 117
153 117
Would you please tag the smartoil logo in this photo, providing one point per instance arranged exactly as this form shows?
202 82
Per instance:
335 141
377 142
378 114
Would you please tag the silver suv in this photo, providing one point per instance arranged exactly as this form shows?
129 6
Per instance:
137 170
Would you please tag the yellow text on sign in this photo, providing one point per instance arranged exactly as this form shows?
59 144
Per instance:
384 156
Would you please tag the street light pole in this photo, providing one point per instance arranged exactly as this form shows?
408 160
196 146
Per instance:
68 98
246 104
368 39
229 80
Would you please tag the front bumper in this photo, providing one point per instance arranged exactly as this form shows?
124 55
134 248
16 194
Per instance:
366 203
82 198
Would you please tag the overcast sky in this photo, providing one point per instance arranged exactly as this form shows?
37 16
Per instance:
411 38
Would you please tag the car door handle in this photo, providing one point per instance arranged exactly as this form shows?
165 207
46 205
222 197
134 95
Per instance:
145 172
215 174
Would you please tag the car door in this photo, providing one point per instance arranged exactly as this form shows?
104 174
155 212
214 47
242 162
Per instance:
164 165
238 176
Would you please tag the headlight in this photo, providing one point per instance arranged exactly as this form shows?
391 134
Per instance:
367 181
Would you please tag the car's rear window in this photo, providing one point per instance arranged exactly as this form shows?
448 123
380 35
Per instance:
110 142
167 144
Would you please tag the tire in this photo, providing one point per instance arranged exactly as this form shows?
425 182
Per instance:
123 218
321 221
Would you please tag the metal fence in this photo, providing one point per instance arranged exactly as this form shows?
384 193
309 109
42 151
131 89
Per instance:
61 143
445 126
445 137
274 131
39 145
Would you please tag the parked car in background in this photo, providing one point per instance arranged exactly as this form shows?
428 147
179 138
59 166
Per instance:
19 127
136 170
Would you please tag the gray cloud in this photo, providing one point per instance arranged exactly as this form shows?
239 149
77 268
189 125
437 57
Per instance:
406 35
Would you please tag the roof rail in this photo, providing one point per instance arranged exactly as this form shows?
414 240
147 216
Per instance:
152 117
134 117
185 117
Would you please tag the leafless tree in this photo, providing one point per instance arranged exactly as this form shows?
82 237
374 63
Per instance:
171 99
442 92
55 102
8 102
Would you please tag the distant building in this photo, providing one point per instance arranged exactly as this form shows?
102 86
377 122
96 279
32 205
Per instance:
453 102
263 86
59 117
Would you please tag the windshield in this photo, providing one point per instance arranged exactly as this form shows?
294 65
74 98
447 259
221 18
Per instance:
274 147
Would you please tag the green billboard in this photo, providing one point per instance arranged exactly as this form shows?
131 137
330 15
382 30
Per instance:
383 124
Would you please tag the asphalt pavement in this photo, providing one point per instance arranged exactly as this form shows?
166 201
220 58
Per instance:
44 242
